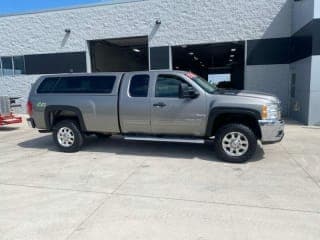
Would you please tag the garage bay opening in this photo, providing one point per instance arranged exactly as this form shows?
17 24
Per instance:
119 55
220 63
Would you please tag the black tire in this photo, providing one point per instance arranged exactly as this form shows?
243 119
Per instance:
102 135
235 128
77 140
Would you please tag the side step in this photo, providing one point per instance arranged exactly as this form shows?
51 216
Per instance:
165 139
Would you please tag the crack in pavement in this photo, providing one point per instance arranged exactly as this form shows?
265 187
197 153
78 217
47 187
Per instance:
114 193
219 203
87 218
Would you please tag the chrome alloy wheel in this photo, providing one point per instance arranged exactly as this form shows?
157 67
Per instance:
235 144
65 137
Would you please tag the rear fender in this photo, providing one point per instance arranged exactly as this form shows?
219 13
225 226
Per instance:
49 119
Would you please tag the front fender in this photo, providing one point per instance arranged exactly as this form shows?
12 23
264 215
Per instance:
217 111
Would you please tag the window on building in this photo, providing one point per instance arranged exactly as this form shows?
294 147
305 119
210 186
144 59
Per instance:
19 67
78 84
168 86
7 66
74 62
12 65
139 86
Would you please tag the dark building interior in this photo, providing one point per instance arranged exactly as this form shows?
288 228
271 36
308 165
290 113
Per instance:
119 55
211 61
220 63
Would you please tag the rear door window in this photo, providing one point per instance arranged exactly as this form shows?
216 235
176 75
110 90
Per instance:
139 86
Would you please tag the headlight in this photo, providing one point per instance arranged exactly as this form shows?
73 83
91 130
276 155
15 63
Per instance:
271 112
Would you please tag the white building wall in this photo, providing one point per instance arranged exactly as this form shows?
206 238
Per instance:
299 106
18 86
314 107
316 8
183 22
305 106
303 12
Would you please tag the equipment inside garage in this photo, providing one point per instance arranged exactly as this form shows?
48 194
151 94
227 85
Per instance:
221 63
119 55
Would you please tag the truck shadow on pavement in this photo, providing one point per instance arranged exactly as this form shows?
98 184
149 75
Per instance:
117 145
7 129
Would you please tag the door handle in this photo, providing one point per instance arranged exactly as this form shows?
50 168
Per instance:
160 104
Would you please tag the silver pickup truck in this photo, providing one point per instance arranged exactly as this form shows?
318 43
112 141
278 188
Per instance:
171 106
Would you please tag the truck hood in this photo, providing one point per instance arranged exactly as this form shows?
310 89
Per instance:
249 94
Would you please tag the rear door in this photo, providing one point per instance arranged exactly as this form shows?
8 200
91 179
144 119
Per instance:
173 115
134 105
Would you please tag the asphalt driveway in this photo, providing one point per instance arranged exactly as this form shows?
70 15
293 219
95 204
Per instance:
114 189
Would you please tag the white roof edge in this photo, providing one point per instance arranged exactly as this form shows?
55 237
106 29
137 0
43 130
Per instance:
71 8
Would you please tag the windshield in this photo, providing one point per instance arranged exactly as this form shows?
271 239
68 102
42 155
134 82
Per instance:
201 82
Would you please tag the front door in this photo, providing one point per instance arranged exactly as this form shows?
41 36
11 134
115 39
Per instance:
173 115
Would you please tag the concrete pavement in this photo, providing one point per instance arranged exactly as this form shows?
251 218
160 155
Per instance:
114 189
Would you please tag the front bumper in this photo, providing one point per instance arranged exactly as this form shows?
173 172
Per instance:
272 131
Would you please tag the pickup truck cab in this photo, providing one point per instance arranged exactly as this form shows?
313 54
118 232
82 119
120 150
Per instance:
173 106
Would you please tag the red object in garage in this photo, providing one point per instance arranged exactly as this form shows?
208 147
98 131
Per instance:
6 115
9 119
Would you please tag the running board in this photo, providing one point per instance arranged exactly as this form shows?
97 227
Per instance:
163 139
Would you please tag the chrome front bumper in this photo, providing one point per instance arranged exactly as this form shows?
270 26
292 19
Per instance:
272 131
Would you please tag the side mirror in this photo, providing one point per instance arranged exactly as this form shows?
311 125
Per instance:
186 91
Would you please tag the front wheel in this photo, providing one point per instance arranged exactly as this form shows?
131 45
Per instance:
235 143
67 136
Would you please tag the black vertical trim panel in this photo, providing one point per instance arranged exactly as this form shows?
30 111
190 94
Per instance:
159 58
302 44
301 47
268 51
316 37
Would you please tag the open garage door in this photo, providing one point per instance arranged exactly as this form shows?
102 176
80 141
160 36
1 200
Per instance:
221 63
119 55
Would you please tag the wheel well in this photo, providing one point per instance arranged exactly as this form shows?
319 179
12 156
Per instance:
56 116
242 118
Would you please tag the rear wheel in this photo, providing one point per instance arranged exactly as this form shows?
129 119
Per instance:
235 143
67 136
